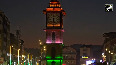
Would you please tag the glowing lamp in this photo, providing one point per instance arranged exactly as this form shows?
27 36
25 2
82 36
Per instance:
101 61
84 57
106 49
111 53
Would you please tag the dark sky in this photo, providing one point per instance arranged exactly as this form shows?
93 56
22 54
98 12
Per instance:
85 22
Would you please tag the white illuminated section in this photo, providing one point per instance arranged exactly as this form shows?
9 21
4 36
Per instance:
101 61
107 63
102 53
14 63
88 62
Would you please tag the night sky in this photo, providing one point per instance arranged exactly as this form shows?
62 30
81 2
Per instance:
85 22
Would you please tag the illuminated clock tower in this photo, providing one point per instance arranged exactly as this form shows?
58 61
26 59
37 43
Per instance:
54 33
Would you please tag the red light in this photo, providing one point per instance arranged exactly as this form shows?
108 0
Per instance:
63 64
53 2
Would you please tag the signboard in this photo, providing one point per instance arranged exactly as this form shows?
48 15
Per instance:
1 60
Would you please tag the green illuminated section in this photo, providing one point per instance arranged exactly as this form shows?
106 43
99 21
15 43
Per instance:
62 44
24 63
57 62
31 62
48 57
10 62
53 60
59 57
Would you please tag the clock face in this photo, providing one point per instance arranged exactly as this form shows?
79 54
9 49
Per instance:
49 18
56 18
53 19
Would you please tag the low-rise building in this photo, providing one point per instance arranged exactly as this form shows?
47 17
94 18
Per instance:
87 52
90 53
69 56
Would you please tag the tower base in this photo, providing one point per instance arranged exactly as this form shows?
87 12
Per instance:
54 54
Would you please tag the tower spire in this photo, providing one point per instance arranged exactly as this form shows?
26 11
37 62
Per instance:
55 6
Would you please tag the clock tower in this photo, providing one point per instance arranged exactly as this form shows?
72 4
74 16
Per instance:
54 33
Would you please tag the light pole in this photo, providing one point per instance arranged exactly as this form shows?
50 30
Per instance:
18 56
28 59
41 50
10 55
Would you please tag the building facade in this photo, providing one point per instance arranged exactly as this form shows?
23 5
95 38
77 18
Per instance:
90 54
4 36
69 56
87 52
109 48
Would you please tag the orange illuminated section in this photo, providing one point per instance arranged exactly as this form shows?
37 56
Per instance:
62 26
57 25
51 25
57 9
53 9
49 9
54 30
64 13
54 6
54 2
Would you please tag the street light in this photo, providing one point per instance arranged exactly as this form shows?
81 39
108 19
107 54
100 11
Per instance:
111 53
106 49
18 56
44 47
28 59
40 42
10 55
